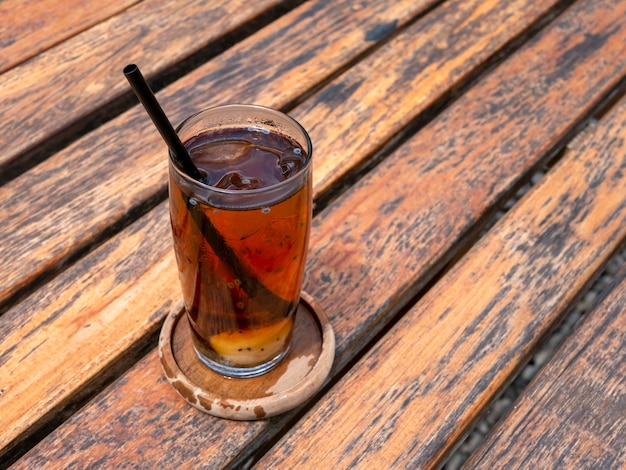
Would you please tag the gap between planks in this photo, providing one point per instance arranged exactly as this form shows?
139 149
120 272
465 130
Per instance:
116 105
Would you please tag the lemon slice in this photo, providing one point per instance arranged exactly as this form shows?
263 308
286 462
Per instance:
252 347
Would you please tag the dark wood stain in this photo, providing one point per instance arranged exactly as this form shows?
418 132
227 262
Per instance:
381 31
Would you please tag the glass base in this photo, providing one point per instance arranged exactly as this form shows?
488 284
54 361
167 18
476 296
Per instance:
241 372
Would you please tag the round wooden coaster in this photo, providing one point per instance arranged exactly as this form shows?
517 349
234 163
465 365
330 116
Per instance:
300 374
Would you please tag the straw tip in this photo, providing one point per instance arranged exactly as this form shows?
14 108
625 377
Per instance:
130 69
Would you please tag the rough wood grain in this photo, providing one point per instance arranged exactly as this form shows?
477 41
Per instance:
428 379
96 200
573 414
58 340
355 116
371 250
29 28
272 67
63 85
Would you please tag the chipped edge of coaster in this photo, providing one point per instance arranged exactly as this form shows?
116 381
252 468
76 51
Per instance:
256 408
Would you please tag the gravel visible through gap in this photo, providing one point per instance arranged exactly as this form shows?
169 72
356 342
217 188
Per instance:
545 351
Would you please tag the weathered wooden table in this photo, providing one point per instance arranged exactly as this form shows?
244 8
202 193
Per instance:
426 117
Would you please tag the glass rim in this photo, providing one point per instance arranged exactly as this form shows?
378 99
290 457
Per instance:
233 192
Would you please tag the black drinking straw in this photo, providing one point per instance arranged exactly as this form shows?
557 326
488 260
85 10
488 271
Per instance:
249 283
163 125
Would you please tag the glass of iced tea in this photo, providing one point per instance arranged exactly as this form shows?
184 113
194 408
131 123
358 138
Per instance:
241 234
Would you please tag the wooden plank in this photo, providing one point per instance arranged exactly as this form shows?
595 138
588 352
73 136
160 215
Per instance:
370 252
272 68
427 380
65 338
573 414
32 27
355 116
62 86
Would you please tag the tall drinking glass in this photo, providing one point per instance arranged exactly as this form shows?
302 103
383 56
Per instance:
241 234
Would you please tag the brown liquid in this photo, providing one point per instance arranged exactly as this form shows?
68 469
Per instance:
241 307
245 158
